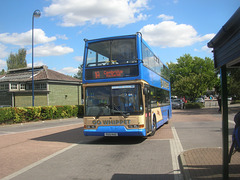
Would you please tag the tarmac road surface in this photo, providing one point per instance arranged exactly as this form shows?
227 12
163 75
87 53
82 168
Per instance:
34 151
59 150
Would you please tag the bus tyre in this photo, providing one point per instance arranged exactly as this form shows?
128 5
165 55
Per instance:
154 126
167 119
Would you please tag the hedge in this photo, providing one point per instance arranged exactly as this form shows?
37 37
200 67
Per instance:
9 115
194 105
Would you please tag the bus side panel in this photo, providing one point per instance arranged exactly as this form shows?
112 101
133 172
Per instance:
151 77
163 114
166 113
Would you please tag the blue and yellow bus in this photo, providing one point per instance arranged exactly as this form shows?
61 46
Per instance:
126 88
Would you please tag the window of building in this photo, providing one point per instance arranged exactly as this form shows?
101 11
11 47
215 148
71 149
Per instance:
13 85
4 86
22 86
41 86
38 86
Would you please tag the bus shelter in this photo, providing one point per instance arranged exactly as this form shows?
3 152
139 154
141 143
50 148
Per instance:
226 50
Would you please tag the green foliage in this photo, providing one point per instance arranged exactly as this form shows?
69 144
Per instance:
192 76
10 115
20 115
234 83
194 105
6 114
47 112
17 60
2 72
33 113
79 73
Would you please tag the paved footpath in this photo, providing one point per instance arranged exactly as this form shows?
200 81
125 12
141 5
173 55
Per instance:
206 163
25 148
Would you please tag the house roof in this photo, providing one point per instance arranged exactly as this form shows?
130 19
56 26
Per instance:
40 73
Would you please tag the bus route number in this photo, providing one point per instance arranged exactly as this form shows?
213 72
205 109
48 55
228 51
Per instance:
108 74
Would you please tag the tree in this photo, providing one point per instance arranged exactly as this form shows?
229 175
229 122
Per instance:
234 83
79 73
17 60
2 72
192 76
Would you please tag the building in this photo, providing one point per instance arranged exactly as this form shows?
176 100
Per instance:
226 50
50 88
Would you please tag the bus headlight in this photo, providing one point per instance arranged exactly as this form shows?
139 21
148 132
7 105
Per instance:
136 126
90 127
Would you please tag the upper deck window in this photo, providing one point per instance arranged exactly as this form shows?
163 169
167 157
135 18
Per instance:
152 62
111 52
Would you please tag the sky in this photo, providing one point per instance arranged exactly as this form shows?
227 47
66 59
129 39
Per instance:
172 28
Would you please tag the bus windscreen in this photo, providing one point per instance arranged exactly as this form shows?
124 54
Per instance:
111 52
113 100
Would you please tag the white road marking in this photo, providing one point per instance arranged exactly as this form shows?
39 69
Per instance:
176 149
37 163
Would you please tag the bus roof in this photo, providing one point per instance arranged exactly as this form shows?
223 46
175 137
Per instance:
123 37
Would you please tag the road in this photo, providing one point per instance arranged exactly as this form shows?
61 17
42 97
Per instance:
59 150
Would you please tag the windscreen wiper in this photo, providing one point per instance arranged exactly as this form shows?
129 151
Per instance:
124 114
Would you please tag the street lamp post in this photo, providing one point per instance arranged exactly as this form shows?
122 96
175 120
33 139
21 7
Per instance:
36 14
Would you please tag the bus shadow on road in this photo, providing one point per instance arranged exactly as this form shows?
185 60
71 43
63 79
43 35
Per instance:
76 136
142 176
68 136
116 140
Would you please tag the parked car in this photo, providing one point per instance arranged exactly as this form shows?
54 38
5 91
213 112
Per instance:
177 104
200 100
2 106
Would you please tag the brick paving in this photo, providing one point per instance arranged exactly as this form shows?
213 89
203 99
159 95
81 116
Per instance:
206 163
25 148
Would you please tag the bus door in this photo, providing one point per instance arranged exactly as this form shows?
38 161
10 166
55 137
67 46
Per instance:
148 109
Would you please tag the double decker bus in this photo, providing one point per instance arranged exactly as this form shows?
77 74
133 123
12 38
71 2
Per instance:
126 88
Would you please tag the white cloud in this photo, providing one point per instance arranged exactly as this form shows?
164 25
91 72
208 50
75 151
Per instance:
69 70
37 63
51 50
63 37
25 38
165 17
79 58
3 52
171 34
205 49
3 64
78 12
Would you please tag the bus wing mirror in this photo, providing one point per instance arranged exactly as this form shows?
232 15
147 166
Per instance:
145 90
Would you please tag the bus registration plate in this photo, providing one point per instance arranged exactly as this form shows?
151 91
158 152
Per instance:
110 134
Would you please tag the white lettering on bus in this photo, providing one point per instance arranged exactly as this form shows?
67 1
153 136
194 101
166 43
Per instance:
111 122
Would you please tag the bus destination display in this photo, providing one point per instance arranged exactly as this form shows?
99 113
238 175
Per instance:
103 73
108 74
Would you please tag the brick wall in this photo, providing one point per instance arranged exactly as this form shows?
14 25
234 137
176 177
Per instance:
23 100
64 94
